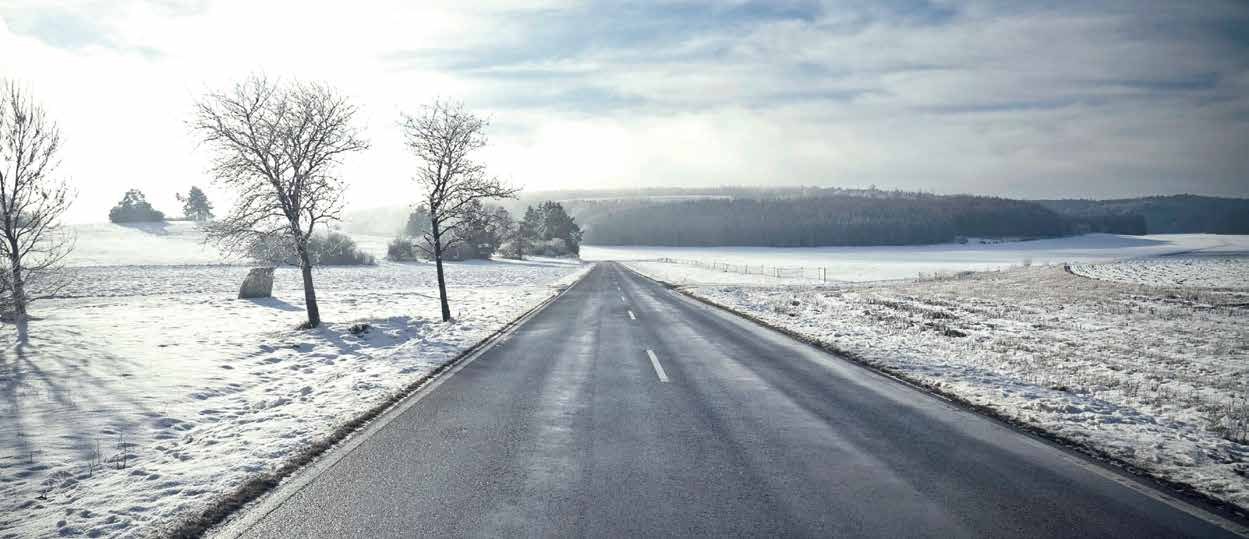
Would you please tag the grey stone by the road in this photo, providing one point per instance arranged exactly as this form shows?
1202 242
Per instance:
258 284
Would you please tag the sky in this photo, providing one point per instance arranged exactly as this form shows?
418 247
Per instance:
1023 99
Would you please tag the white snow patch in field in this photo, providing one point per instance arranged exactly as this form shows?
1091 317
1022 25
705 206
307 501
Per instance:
904 262
158 366
1155 376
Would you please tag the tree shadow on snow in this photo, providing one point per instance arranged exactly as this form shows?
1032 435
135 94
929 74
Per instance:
503 262
157 228
274 303
381 333
88 406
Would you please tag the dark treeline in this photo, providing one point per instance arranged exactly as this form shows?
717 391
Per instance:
890 218
1178 214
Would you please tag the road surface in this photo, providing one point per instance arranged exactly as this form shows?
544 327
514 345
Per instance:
626 409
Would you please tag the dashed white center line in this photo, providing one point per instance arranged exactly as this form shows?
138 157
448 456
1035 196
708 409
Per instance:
631 317
659 369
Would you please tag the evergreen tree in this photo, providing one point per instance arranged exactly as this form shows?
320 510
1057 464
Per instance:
508 231
501 225
476 231
418 223
557 224
528 230
196 206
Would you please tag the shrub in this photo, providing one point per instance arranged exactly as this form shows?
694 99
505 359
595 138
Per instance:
401 249
134 208
337 249
332 249
405 249
554 247
509 250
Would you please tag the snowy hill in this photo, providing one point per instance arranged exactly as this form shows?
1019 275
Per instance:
142 244
174 243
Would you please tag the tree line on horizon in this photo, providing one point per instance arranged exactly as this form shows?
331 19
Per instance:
816 221
1173 214
1163 214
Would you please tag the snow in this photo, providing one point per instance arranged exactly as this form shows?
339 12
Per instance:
173 243
147 356
150 359
1153 375
1188 271
903 262
152 244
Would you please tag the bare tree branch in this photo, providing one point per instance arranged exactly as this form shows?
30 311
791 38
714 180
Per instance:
32 201
277 145
443 138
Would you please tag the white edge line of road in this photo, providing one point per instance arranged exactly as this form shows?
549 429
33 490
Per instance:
659 369
1128 481
248 516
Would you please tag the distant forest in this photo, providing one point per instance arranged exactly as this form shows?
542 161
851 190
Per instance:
1178 214
810 217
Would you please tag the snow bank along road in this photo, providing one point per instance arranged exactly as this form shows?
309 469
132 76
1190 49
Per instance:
624 408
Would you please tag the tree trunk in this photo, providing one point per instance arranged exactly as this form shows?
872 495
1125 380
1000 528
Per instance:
310 294
442 283
19 298
19 288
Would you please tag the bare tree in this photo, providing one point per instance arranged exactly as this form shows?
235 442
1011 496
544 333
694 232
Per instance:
443 137
277 146
32 201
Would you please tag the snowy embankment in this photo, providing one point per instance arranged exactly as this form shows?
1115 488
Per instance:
146 391
1153 376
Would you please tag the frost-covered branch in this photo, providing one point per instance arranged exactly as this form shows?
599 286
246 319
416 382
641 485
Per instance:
443 138
32 201
277 145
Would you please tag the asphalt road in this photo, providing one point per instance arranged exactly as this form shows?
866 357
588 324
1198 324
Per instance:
625 409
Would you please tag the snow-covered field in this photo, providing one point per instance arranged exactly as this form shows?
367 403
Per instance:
1157 376
151 244
1174 271
905 262
176 243
147 390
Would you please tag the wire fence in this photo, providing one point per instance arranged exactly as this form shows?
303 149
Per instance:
779 272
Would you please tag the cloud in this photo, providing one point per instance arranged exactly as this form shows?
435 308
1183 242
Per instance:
1091 99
